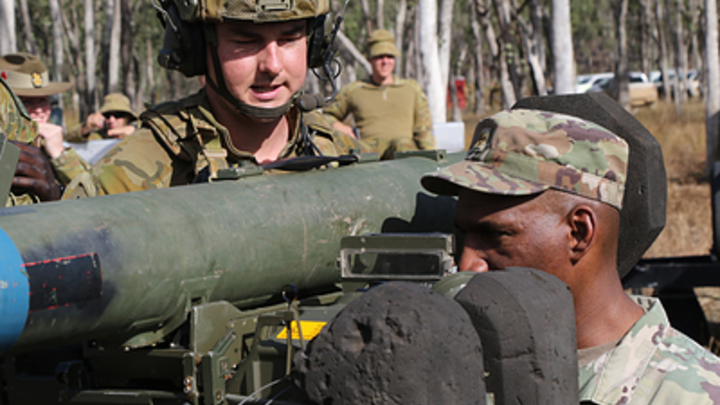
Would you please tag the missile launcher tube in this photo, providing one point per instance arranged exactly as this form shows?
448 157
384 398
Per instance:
122 266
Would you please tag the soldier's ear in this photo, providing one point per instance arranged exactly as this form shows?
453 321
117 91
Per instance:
582 224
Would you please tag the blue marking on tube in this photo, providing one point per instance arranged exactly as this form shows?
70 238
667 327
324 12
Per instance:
14 293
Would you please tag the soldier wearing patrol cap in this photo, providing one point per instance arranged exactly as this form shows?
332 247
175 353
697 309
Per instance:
545 190
116 119
391 114
28 77
254 56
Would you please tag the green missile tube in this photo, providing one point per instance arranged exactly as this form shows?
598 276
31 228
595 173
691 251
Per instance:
126 269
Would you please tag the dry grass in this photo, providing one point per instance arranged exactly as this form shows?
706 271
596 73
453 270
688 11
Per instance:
688 230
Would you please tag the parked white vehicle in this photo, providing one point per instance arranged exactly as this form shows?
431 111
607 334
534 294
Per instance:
585 82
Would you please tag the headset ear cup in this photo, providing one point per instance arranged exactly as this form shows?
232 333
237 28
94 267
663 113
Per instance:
318 44
183 46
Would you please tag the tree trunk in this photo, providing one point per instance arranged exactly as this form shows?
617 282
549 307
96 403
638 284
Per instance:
646 15
71 25
446 13
149 63
620 84
90 57
367 16
562 49
380 12
662 38
456 111
8 41
427 25
533 57
506 86
695 32
536 19
348 45
676 59
113 73
57 35
478 60
712 106
400 18
126 41
30 43
681 59
508 50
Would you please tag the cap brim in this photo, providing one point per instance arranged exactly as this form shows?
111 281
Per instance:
478 177
49 90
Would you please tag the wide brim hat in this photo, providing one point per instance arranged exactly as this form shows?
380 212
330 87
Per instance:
525 152
116 102
27 76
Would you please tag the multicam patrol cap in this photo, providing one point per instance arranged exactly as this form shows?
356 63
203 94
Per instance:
524 152
27 76
381 42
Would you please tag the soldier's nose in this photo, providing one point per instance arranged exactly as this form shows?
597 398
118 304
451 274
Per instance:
472 260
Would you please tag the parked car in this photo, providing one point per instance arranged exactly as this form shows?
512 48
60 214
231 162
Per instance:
640 90
692 83
585 82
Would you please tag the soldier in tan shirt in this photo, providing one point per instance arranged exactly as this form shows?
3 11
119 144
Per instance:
391 114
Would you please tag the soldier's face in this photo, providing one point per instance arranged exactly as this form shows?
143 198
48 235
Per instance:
504 231
38 108
382 67
264 64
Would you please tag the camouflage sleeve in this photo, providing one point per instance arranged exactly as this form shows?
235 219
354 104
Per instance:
68 165
14 120
423 126
137 163
332 142
339 108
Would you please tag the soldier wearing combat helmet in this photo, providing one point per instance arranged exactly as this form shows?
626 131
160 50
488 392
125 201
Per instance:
545 190
254 56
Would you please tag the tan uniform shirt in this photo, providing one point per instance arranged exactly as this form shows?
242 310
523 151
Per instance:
386 114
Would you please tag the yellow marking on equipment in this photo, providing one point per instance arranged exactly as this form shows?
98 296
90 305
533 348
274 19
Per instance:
310 329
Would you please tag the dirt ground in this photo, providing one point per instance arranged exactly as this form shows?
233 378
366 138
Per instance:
688 230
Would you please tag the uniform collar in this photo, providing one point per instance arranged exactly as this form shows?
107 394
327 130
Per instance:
213 131
368 83
614 375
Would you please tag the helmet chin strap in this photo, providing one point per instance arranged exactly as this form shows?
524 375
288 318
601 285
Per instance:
221 89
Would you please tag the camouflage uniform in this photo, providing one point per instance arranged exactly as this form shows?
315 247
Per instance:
390 118
181 139
16 124
652 364
524 152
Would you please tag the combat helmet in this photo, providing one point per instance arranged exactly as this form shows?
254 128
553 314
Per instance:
189 28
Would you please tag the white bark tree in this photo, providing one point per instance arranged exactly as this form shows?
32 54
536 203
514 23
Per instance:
8 40
346 44
712 106
446 14
477 73
620 84
30 43
662 38
434 86
400 19
113 69
57 40
562 49
506 85
90 57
